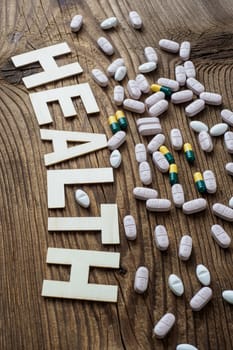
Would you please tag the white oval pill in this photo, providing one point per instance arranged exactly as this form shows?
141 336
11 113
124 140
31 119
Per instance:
220 236
201 298
194 206
147 67
172 84
228 296
109 23
142 83
149 129
185 247
198 126
186 347
140 152
203 275
181 96
150 54
105 46
218 129
133 89
116 140
143 193
223 211
180 75
154 98
229 168
76 23
176 285
160 161
210 181
155 143
190 70
227 116
120 73
169 45
178 195
228 141
145 173
134 106
161 237
158 204
115 159
135 20
147 120
118 95
100 78
211 98
185 49
164 325
141 280
195 86
176 139
82 198
114 65
130 227
194 108
230 202
205 141
158 108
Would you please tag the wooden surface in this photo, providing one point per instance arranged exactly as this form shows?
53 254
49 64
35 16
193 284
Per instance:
29 321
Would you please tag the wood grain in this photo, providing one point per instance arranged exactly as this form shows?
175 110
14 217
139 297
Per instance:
29 321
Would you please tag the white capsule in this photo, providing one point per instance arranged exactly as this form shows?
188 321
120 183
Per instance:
229 168
180 75
145 173
220 236
201 298
227 116
142 83
186 347
155 143
185 247
158 108
164 325
176 285
143 193
105 46
218 129
135 20
134 106
194 108
130 227
150 54
210 181
161 237
181 96
154 98
112 68
76 23
205 141
160 161
228 296
228 141
190 70
169 45
203 275
118 95
133 89
109 23
194 206
120 73
100 78
158 204
82 198
149 129
185 49
198 126
176 139
195 86
141 280
230 202
178 195
223 211
211 98
172 84
147 120
116 140
115 159
140 152
147 67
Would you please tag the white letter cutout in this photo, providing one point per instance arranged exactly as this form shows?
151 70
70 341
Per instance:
78 286
45 57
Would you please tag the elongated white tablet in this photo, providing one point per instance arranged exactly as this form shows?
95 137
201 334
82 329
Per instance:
143 193
105 46
194 206
164 325
194 108
161 237
186 347
142 83
227 116
228 296
228 141
154 98
160 161
185 49
223 211
205 141
155 143
201 298
134 106
176 285
100 78
158 204
211 98
172 84
116 140
145 173
210 181
120 73
82 198
178 195
135 20
130 227
169 45
180 75
140 152
76 23
185 247
181 96
118 95
190 70
158 108
149 129
150 54
220 236
133 89
114 65
203 275
230 202
198 126
229 168
109 23
195 86
147 120
115 159
141 280
147 67
218 129
176 139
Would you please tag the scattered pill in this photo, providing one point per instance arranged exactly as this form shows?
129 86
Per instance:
142 83
223 211
169 45
133 89
130 227
118 95
194 206
150 54
147 67
134 106
155 143
185 49
167 154
227 116
176 139
150 129
203 275
156 88
120 73
140 152
186 347
100 78
82 198
201 298
112 68
205 141
229 168
176 285
144 193
190 70
210 181
116 140
199 182
147 120
172 84
220 236
194 108
158 204
121 119
161 237
198 126
178 195
195 86
76 23
109 23
141 280
211 98
145 173
228 296
185 247
180 75
105 46
158 108
113 123
115 159
181 96
173 174
164 325
160 162
218 129
189 154
135 20
154 98
228 141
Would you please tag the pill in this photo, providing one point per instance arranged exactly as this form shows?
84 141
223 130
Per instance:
99 77
82 198
141 280
158 108
169 45
114 65
199 182
198 126
176 285
176 139
155 143
205 141
147 67
229 168
218 129
203 275
115 159
134 106
210 181
185 247
113 123
194 206
190 70
195 86
227 116
201 298
186 347
76 23
180 75
130 227
121 119
154 98
109 23
211 98
145 173
195 107
223 211
142 83
228 141
188 151
158 204
160 162
120 73
140 152
220 236
150 54
167 154
178 195
105 46
161 237
144 193
231 202
159 88
149 129
116 140
173 174
170 83
147 120
181 96
135 20
228 296
118 95
164 325
185 49
133 89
